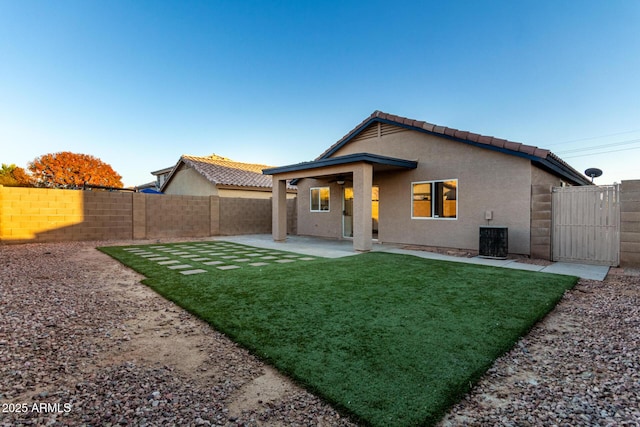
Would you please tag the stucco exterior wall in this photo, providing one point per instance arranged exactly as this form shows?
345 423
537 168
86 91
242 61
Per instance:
186 181
322 224
487 181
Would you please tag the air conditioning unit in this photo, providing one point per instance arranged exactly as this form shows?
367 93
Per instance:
494 242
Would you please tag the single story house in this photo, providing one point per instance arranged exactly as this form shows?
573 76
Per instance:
218 176
407 181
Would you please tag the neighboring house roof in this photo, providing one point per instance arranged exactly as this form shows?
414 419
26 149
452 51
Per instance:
222 171
162 171
541 157
151 184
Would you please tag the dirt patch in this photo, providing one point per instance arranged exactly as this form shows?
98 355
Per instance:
163 334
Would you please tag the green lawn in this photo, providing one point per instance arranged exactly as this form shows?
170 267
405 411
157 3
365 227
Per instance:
388 339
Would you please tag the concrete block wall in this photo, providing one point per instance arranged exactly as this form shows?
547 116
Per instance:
45 215
541 221
630 223
177 216
245 216
52 215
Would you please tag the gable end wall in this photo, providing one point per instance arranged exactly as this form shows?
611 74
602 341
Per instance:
487 181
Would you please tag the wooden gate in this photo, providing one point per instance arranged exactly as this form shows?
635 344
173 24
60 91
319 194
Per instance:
586 222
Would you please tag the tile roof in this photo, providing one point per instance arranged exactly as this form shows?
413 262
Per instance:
223 171
442 130
537 154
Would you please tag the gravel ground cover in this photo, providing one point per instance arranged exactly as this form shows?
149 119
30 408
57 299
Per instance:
82 342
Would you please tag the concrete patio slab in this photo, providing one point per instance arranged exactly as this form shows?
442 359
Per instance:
585 271
314 246
328 248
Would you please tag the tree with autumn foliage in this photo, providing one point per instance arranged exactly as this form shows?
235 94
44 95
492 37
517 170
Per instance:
14 176
71 170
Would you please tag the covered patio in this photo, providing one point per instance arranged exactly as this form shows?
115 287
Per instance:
361 167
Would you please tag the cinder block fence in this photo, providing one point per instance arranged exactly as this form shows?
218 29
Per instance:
52 215
630 223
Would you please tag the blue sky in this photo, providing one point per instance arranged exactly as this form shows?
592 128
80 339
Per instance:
139 83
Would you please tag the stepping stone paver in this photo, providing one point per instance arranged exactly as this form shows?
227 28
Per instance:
179 267
223 255
196 271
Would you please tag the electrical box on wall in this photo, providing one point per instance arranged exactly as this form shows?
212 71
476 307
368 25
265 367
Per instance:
488 215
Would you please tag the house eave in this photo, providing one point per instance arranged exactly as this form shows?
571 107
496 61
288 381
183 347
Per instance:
374 159
540 157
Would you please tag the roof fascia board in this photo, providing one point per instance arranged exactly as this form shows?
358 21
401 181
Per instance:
557 168
251 188
549 162
409 127
355 133
171 174
342 160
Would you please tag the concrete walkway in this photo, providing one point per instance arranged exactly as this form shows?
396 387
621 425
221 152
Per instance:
329 248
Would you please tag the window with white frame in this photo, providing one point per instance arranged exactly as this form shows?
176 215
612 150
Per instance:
320 199
434 199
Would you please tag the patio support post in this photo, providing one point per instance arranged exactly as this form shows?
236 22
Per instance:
362 184
279 209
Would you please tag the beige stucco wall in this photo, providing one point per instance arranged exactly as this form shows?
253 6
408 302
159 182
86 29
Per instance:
487 181
324 224
187 181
